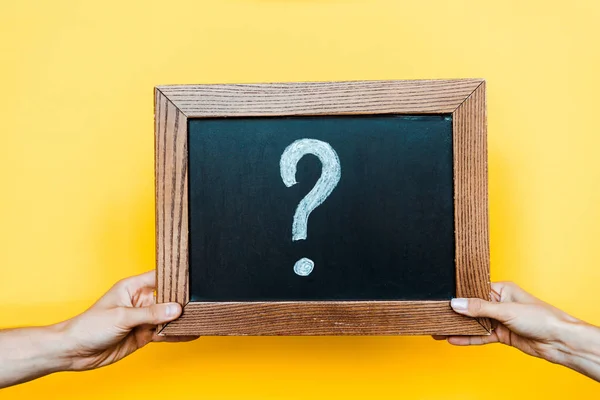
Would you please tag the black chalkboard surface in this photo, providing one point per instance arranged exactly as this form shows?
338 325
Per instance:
384 232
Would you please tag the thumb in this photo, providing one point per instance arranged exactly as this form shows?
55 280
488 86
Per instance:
130 317
481 308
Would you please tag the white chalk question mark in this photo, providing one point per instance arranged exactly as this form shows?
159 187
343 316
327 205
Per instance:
330 175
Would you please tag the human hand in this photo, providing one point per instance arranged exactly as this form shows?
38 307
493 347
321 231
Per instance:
536 328
121 322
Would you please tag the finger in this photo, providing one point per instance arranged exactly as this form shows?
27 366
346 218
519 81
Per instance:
439 337
495 296
130 317
143 298
510 291
121 292
145 280
472 340
481 308
173 339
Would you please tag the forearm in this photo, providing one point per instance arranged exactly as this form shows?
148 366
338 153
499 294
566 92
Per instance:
579 349
30 353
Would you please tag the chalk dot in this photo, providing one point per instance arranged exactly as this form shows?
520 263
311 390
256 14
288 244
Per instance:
304 266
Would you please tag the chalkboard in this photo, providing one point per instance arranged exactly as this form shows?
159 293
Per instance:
384 232
322 208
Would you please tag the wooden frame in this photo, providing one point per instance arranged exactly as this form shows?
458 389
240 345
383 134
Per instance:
464 99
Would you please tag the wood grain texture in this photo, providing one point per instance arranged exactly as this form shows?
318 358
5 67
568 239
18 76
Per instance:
321 98
465 99
471 198
171 183
323 318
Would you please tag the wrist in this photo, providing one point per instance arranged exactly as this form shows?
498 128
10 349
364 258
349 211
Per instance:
578 347
54 348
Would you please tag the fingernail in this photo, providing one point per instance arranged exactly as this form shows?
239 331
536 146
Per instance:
172 310
459 304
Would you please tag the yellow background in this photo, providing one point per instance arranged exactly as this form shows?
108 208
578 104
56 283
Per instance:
77 194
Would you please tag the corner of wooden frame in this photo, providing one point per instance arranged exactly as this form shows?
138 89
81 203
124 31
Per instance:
167 329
